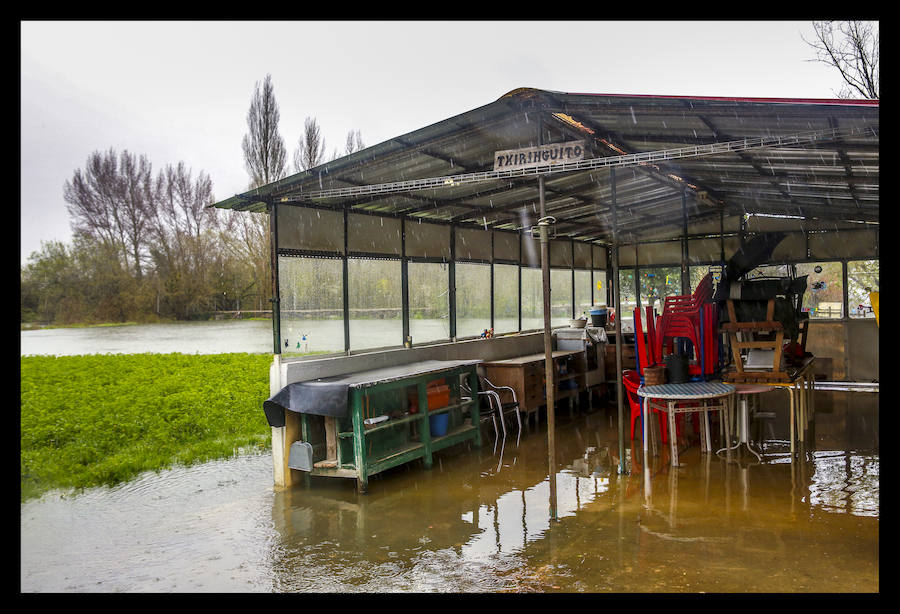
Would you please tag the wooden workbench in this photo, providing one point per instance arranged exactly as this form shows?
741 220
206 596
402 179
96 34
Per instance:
343 445
525 375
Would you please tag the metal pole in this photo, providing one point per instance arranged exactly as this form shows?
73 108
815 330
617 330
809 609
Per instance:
451 274
722 235
685 276
404 283
276 305
544 224
618 303
345 274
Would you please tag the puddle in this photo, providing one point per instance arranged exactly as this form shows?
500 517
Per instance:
479 521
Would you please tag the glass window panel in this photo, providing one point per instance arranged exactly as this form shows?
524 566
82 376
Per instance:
862 278
375 303
583 292
560 297
698 272
311 305
506 298
598 288
473 298
824 294
532 299
627 296
429 301
657 283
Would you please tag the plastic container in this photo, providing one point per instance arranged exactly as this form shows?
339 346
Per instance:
438 424
438 396
676 369
598 317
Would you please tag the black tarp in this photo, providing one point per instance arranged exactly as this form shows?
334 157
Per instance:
329 396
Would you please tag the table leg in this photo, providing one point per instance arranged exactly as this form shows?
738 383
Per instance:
644 411
801 416
673 436
790 390
729 410
745 426
705 434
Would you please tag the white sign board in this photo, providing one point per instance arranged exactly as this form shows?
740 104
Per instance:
557 153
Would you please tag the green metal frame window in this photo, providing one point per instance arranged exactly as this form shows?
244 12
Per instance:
311 305
473 298
429 301
506 298
862 278
375 303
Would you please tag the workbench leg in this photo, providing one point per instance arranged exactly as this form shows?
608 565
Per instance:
474 410
425 426
359 442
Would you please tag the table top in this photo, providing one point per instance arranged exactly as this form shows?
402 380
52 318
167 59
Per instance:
521 360
384 375
753 388
687 390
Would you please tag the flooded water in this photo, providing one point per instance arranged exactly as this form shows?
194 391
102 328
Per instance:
254 336
479 521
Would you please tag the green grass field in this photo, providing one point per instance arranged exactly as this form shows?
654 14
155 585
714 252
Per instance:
103 419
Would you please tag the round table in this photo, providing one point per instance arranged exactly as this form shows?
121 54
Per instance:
744 391
687 392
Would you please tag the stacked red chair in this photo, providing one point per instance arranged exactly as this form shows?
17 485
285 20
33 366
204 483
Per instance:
691 317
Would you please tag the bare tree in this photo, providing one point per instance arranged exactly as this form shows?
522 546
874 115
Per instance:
852 48
310 150
184 250
264 152
110 201
354 142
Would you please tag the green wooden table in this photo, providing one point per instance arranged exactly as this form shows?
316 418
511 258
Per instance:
350 448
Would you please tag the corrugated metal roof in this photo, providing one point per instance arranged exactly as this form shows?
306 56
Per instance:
835 179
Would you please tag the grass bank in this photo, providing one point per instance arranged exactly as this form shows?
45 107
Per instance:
103 419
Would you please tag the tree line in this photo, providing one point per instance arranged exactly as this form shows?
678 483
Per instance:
148 246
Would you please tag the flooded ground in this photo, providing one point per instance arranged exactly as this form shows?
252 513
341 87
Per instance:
479 521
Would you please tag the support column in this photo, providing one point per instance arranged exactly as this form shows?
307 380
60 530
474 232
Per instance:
549 368
685 272
617 300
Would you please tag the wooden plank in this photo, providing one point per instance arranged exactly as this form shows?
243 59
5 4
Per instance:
766 345
750 326
330 438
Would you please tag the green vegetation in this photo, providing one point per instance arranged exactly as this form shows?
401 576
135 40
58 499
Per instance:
103 419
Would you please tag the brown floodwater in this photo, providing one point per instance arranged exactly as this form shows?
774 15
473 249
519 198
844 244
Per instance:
480 521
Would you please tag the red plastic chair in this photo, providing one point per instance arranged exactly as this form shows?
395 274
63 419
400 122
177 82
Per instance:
682 317
631 380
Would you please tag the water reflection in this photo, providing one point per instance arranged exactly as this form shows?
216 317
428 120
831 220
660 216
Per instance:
478 521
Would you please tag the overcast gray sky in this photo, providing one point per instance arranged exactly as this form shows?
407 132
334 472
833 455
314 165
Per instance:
180 90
